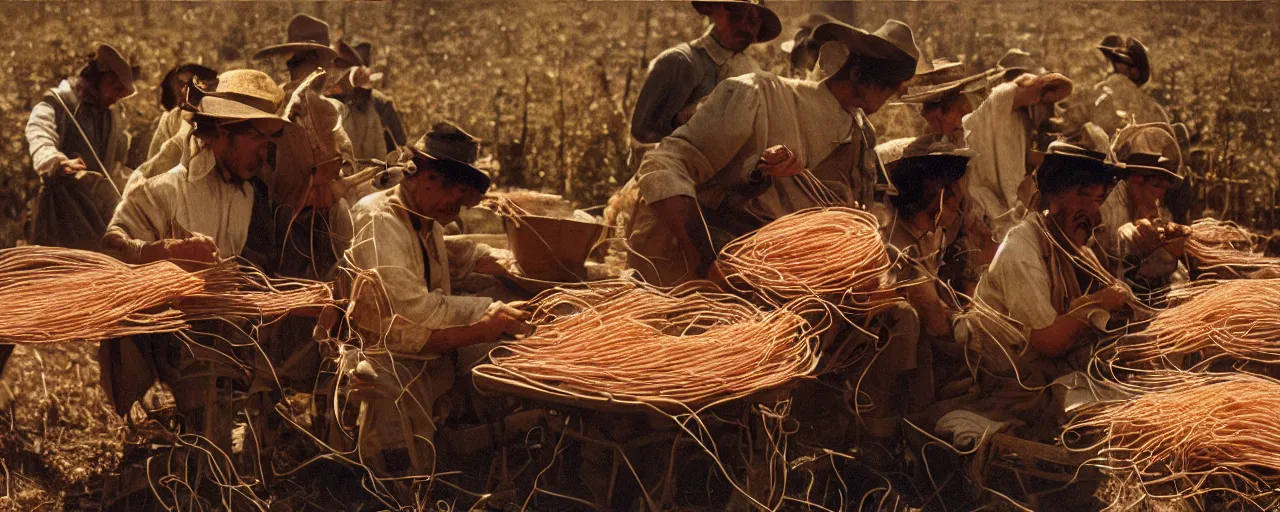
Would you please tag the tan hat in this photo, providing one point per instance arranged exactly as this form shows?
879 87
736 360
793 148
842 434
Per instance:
305 33
925 93
107 58
804 29
241 94
893 41
770 25
1135 144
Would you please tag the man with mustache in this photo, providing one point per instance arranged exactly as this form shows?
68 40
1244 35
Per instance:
418 336
1044 275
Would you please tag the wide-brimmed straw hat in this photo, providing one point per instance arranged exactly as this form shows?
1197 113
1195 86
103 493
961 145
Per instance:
1135 144
925 93
453 152
1128 51
241 94
305 33
893 42
106 58
770 25
804 29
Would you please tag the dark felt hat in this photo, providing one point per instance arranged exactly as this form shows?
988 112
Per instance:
1066 165
305 33
1128 51
453 152
770 25
804 29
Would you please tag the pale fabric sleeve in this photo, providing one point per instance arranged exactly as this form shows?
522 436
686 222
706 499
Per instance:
392 298
42 138
1019 276
986 134
145 212
671 81
700 148
166 127
463 255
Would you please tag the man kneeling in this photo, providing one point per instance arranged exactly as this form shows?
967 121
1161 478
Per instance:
403 306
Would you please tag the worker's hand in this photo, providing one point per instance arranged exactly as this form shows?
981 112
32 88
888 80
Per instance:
1175 239
490 265
1148 237
1111 298
779 161
502 319
195 248
71 166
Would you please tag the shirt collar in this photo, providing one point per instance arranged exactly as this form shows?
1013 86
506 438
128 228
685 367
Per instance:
420 222
708 43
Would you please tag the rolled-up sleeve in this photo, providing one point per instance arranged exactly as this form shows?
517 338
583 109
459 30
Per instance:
390 296
671 81
42 138
703 146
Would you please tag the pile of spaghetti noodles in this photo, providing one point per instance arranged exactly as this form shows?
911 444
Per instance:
627 342
1191 434
1239 319
59 295
814 252
1216 244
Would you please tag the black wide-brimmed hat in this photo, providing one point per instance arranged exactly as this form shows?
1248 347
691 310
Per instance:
1067 165
770 25
453 152
893 42
940 163
305 33
1127 51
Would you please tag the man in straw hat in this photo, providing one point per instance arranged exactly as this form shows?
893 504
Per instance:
1138 235
683 75
403 302
1118 100
1002 133
1047 281
717 164
212 205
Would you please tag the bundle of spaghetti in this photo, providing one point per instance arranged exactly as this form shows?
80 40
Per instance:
59 295
631 343
1216 243
1191 432
814 252
1238 319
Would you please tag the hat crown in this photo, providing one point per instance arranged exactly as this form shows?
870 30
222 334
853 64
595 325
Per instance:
901 36
251 83
1112 41
108 59
1015 58
446 140
307 29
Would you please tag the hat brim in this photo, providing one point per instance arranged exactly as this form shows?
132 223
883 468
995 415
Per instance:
460 171
223 108
770 24
291 48
937 92
1132 169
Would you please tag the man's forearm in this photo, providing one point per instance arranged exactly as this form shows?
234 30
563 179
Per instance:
1056 339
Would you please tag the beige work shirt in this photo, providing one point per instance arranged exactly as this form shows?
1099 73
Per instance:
395 303
720 146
